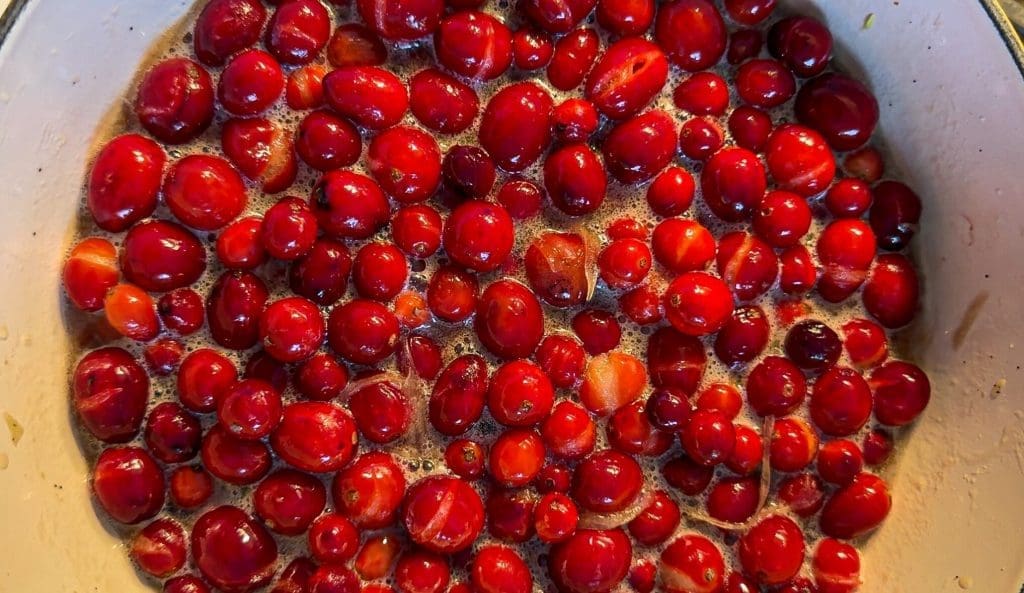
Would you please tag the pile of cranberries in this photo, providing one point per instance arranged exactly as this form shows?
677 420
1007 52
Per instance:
423 296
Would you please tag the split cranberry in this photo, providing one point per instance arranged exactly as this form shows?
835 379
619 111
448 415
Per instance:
333 539
189 487
479 235
172 435
468 170
316 437
226 26
204 192
516 125
840 402
702 93
362 331
575 179
568 431
531 49
803 43
611 381
878 446
775 387
509 320
849 198
640 147
631 431
555 517
376 557
370 96
232 551
233 309
516 457
288 501
840 461
671 193
764 83
691 32
349 205
865 164
675 360
782 218
744 44
573 58
240 244
304 88
743 337
836 567
523 199
687 476
124 182
857 508
901 392
236 461
131 312
322 274
750 127
160 548
474 44
894 214
590 561
562 359
625 17
420 355
846 249
733 499
747 264
402 20
443 514
747 453
802 493
697 303
841 108
295 577
891 291
110 390
598 330
465 458
163 356
411 309
733 182
498 569
421 572
458 398
692 564
128 484
354 44
520 394
642 305
794 445
628 76
557 17
250 83
773 550
799 159
441 102
381 409
510 514
682 245
325 141
175 100
657 521
699 138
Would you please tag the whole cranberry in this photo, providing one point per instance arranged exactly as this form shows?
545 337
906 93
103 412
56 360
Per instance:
325 141
520 394
699 138
682 245
692 564
894 215
657 521
627 77
509 320
744 44
332 539
468 170
402 20
288 501
668 409
747 453
624 263
295 577
443 514
803 493
702 93
186 584
782 218
315 437
891 291
697 303
452 294
498 569
510 514
642 305
845 249
515 128
349 205
574 120
840 402
379 271
671 192
691 32
131 312
813 345
840 461
233 552
848 198
160 548
857 508
304 88
764 83
479 235
420 355
799 159
555 517
708 438
369 491
773 550
128 484
240 244
878 446
733 182
750 127
836 567
590 561
598 330
523 199
363 331
175 100
557 17
204 192
516 457
743 337
686 475
611 381
568 431
794 445
554 477
163 356
189 487
406 162
416 230
465 458
441 102
575 179
573 58
334 578
474 44
865 164
675 360
124 182
797 272
203 377
638 148
631 431
381 408
250 83
531 49
226 26
607 481
803 43
298 31
625 17
322 274
901 392
749 12
421 572
233 308
775 387
458 397
111 392
841 108
369 96
172 435
234 460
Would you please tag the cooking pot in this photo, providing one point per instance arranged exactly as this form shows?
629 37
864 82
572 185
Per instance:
948 76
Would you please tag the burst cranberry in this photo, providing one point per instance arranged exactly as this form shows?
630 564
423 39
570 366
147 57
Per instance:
891 291
128 484
846 249
509 320
775 387
849 198
773 550
836 567
747 264
376 557
305 87
232 551
657 521
479 235
349 205
797 272
631 431
901 392
691 32
569 431
865 164
250 83
590 561
799 159
240 244
733 182
636 149
611 381
354 44
160 548
531 49
627 77
793 446
421 572
442 102
172 434
573 58
474 44
298 31
175 100
574 120
702 93
369 491
857 508
458 397
516 125
841 108
878 446
516 457
131 312
692 564
371 97
443 514
894 214
233 309
406 163
682 245
750 127
124 182
557 17
288 501
232 459
699 137
110 390
697 303
325 141
402 20
225 27
315 437
840 402
744 44
363 331
802 493
625 17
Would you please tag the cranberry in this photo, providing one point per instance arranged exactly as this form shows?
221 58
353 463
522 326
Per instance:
172 434
354 44
708 438
379 271
250 83
371 97
509 320
840 461
569 431
750 127
782 218
692 564
225 27
720 397
840 402
411 309
325 141
232 459
802 493
764 83
163 356
376 557
747 264
175 100
498 569
573 58
233 309
878 447
316 437
857 508
416 230
849 198
799 159
625 17
288 230
590 561
813 345
402 20
190 487
264 367
421 572
749 12
702 93
733 499
554 478
642 305
294 578
598 330
574 120
797 271
627 77
452 294
624 263
733 182
520 394
607 481
333 539
522 198
420 355
469 171
894 214
668 409
697 303
743 337
671 193
516 125
803 43
443 514
891 291
699 138
362 331
555 517
474 44
124 182
531 49
793 446
687 476
657 521
204 192
369 491
773 550
406 162
901 392
516 457
575 179
240 244
865 164
185 584
465 458
381 409
322 274
510 514
128 484
457 400
775 387
233 552
131 312
479 235
675 360
691 32
304 88
110 391
744 44
90 271
846 249
682 245
747 453
841 108
630 431
611 381
203 377
638 148
643 577
349 205
441 102
627 228
160 548
836 567
333 578
288 501
557 17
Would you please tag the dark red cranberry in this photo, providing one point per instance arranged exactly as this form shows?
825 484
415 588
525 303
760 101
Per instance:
799 159
573 58
836 567
750 127
354 44
266 368
687 476
381 409
744 44
733 182
631 431
479 235
124 182
321 377
325 141
322 274
441 102
250 83
240 244
802 493
363 331
574 120
160 548
657 521
848 198
607 481
316 437
422 572
764 83
509 320
744 337
304 88
894 214
516 125
225 27
531 49
443 514
369 491
458 397
699 138
840 402
555 517
175 100
474 44
749 12
371 97
628 76
233 309
878 446
523 199
466 458
637 149
557 17
692 563
642 305
841 108
288 501
891 292
590 560
840 461
298 31
857 508
773 550
675 360
569 431
234 460
733 499
562 359
379 271
682 245
625 17
128 484
702 93
469 171
668 409
232 551
793 446
845 249
402 20
172 435
575 179
813 345
901 392
111 390
691 32
204 192
189 487
803 43
510 514
775 387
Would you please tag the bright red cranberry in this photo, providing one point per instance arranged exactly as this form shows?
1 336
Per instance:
226 26
379 271
294 578
316 437
841 108
420 355
692 564
836 567
733 182
334 578
172 435
402 20
750 127
163 356
607 481
422 572
204 192
321 377
325 141
702 93
354 44
288 501
747 264
124 182
498 569
611 381
369 491
510 514
598 330
747 453
376 557
687 476
363 331
865 164
733 499
782 218
531 49
458 397
298 31
699 138
749 12
627 77
557 17
523 199
574 120
349 205
697 303
802 493
509 320
160 548
764 83
249 409
203 377
840 461
691 32
90 271
682 245
675 360
849 198
573 58
891 291
128 484
775 387
304 88
291 329
878 446
803 43
555 517
111 390
333 539
240 244
720 397
794 445
631 431
189 487
657 521
232 459
465 458
516 125
773 550
416 230
840 402
474 44
233 309
845 249
554 477
797 272
289 228
671 193
322 274
638 148
708 438
894 214
131 312
452 294
175 100
232 551
250 83
799 159
744 45
516 457
625 18
624 263
443 514
186 584
743 337
590 561
569 431
857 508
520 394
642 305
441 102
406 162
371 97
627 227
901 392
479 235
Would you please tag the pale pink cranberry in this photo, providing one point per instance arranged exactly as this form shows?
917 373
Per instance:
232 551
204 192
316 437
625 17
443 514
402 20
124 182
590 561
892 290
111 390
575 179
573 58
516 125
175 100
692 564
225 27
128 484
349 205
298 31
638 148
857 508
841 108
288 501
628 76
459 395
772 551
611 381
441 102
733 182
799 159
691 32
474 44
657 521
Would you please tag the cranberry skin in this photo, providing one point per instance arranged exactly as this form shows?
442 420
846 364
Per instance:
702 93
515 128
452 294
479 235
836 567
749 12
458 397
747 453
233 309
251 83
111 390
160 548
575 179
315 437
691 32
474 44
901 392
298 31
733 182
354 44
607 482
632 432
421 572
697 303
531 49
443 514
856 508
573 58
637 149
369 96
402 20
841 108
441 102
675 360
520 394
891 292
555 517
416 230
225 27
516 457
322 274
569 432
363 331
175 100
627 77
657 522
802 493
840 402
406 162
465 458
773 550
288 501
574 120
232 551
172 435
775 387
845 249
128 484
349 205
590 561
124 182
232 459
240 244
894 214
692 564
304 88
369 491
782 219
509 320
799 159
510 514
557 17
612 380
163 356
325 141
